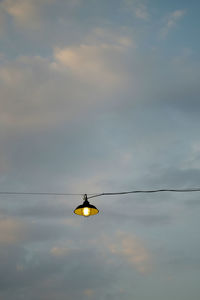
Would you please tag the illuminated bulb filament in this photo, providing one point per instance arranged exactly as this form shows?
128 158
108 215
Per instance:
86 211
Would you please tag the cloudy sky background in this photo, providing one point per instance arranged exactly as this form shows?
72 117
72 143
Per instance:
99 96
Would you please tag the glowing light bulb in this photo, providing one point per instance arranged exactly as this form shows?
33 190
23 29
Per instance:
86 211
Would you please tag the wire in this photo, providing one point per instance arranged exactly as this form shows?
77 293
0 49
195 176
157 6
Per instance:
40 194
104 194
148 191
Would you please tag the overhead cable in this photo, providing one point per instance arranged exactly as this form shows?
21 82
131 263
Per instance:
92 195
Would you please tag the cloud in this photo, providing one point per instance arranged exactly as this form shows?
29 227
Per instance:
38 95
138 8
98 59
22 11
44 92
141 12
25 12
23 230
129 248
89 292
59 251
34 20
98 113
90 63
2 23
171 21
11 231
119 40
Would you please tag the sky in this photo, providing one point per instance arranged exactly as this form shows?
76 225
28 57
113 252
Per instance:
99 96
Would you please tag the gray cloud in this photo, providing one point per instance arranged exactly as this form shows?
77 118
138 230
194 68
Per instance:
93 102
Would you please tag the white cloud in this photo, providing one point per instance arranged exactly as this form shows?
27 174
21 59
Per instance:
171 21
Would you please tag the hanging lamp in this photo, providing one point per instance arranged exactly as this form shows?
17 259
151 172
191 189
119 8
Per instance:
86 209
